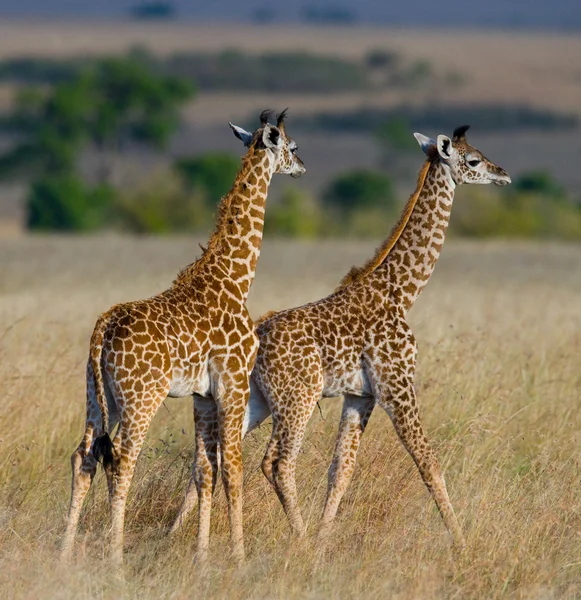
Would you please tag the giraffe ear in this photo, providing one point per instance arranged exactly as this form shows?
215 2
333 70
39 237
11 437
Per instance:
427 144
271 137
241 134
445 148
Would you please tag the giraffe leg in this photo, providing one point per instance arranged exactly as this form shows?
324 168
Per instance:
127 445
354 419
270 457
231 408
394 391
256 412
84 464
84 467
407 424
205 469
288 434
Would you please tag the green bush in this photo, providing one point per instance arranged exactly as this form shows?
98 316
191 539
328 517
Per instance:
538 182
357 190
485 213
162 205
64 203
296 215
211 174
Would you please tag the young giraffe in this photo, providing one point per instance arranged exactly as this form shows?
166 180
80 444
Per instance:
357 343
194 338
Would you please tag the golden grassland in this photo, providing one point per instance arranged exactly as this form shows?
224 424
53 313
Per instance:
499 382
532 68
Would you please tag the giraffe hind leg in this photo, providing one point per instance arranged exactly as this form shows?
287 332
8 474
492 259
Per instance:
354 419
84 463
279 463
84 467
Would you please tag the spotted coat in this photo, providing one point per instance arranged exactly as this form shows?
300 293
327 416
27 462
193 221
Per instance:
357 343
195 338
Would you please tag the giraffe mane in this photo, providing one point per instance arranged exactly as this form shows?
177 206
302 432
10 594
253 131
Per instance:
358 273
213 246
264 317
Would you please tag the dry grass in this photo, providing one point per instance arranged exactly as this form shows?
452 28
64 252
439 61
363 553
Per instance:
499 383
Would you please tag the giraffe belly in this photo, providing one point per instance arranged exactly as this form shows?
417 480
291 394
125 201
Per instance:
257 409
353 382
186 383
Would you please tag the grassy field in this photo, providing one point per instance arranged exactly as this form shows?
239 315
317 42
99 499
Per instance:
499 330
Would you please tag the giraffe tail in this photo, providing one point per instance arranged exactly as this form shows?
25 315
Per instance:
103 446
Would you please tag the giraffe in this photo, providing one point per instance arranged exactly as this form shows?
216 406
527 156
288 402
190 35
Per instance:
356 343
195 338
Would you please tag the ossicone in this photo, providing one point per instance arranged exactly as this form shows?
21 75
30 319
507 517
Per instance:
460 133
265 116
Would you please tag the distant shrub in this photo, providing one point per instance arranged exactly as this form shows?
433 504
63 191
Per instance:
380 58
65 203
273 71
485 213
296 215
370 223
414 75
485 117
162 205
357 190
212 173
539 182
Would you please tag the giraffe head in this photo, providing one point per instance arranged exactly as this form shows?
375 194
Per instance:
273 140
465 163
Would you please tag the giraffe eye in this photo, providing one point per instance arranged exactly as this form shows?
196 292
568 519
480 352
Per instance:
294 149
474 162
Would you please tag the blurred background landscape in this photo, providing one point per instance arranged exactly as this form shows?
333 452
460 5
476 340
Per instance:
114 116
114 151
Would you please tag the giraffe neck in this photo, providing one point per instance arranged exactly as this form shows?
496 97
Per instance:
412 259
234 247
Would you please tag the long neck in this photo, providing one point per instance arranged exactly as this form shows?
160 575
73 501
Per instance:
412 259
234 247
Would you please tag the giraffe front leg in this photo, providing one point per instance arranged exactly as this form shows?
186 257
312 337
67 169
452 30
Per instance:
405 417
206 430
394 390
205 469
231 415
354 419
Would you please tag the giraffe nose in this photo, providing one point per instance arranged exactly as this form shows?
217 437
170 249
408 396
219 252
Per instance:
503 178
506 176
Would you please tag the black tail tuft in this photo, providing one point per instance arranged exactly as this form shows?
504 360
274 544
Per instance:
103 449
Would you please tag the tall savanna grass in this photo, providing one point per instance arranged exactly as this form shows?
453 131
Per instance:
499 383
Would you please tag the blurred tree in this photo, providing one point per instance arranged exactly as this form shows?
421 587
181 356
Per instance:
395 140
63 203
359 189
296 215
397 134
162 205
211 173
380 58
539 182
115 102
